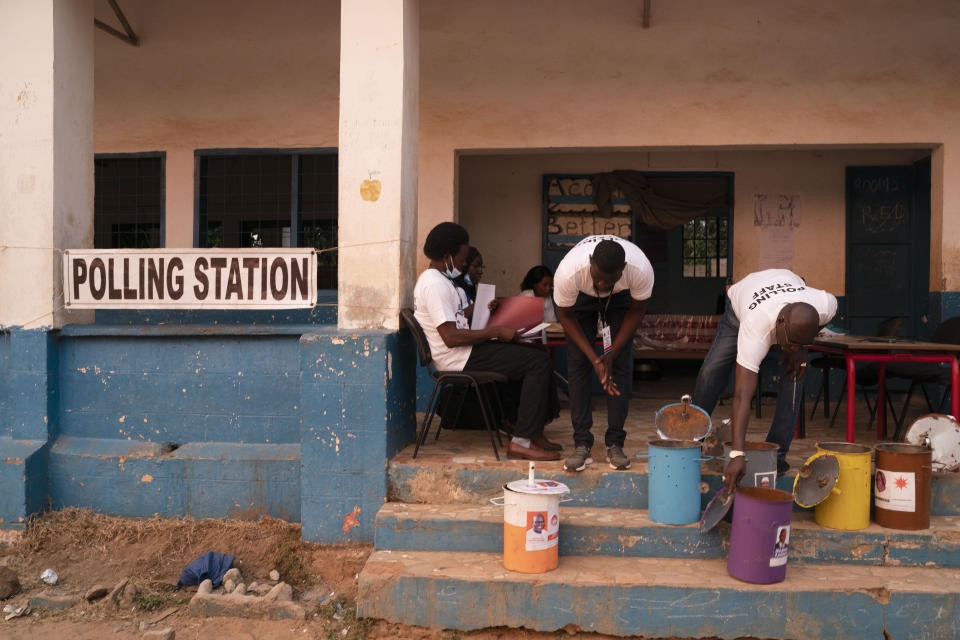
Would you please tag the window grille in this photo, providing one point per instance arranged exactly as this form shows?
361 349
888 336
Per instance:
705 242
128 201
270 198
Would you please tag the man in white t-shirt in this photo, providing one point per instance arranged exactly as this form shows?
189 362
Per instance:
455 347
600 289
766 308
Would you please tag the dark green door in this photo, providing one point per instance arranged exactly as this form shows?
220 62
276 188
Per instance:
888 246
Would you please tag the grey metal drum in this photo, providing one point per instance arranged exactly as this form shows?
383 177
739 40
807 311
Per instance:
761 464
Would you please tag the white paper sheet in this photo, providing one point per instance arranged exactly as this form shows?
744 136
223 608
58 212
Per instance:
481 306
776 248
529 333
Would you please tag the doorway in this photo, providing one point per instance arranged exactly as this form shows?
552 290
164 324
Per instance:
888 247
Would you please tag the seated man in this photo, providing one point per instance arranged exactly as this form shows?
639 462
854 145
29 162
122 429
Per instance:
765 308
456 347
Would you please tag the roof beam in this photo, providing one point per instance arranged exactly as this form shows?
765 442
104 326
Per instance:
129 37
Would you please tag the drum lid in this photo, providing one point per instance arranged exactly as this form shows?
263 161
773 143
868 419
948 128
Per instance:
815 480
683 421
539 486
941 434
718 507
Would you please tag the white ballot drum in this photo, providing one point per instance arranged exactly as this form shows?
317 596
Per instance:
531 524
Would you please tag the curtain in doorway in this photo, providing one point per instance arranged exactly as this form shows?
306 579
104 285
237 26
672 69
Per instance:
661 202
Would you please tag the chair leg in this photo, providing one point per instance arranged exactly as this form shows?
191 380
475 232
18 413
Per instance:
943 400
486 420
816 400
926 396
836 407
456 416
826 392
872 409
499 416
427 419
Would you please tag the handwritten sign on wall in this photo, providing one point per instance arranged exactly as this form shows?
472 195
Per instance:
776 216
571 214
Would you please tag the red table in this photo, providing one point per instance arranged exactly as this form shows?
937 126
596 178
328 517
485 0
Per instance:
883 350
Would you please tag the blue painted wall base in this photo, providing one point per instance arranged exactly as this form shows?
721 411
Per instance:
294 421
358 394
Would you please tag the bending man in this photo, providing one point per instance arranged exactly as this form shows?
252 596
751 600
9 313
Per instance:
766 308
601 287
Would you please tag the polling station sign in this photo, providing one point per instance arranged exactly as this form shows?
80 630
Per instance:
189 278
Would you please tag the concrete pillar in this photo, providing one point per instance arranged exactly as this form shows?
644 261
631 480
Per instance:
46 153
46 206
379 105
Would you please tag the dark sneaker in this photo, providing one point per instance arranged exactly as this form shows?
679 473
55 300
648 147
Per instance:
579 460
616 458
782 467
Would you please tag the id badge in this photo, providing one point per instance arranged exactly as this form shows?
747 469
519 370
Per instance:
605 336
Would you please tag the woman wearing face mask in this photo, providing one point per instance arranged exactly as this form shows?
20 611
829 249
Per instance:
456 347
469 279
539 283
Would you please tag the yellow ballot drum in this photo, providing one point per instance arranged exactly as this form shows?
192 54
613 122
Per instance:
847 505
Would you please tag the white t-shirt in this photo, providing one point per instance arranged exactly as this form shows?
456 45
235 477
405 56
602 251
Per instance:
437 300
757 300
549 313
573 274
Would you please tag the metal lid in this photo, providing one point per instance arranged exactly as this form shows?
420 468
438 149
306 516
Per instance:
815 480
941 433
542 487
718 507
683 421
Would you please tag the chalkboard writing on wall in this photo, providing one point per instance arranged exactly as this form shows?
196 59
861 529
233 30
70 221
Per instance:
571 214
881 255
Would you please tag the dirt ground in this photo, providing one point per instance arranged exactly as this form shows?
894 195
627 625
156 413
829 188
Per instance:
88 549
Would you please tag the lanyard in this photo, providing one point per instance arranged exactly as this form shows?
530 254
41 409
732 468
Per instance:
601 307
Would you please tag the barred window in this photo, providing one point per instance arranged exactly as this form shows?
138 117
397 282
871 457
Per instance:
270 198
128 201
705 247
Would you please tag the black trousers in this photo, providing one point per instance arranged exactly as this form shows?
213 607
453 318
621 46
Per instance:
580 370
535 404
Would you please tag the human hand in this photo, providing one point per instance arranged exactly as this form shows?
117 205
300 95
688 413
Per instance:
493 305
505 334
603 365
734 472
795 364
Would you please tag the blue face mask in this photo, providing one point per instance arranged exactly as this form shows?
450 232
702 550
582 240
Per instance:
467 279
451 271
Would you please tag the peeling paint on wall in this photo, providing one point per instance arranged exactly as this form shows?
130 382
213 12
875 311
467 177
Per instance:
350 520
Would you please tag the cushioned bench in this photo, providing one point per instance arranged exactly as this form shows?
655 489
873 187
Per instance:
675 336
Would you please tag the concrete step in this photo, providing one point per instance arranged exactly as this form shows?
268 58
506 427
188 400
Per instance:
474 480
630 533
657 597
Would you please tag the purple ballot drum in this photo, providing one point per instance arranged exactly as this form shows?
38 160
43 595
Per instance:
760 535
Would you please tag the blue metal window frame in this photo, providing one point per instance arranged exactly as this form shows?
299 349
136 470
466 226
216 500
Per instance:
294 152
163 182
